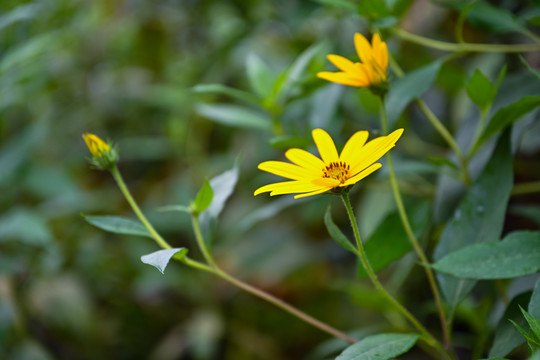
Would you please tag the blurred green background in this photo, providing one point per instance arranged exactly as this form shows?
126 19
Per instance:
131 71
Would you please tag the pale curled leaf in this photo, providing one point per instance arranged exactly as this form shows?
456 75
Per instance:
118 225
379 347
159 259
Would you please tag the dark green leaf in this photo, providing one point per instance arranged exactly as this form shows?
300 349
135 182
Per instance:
260 76
443 162
288 141
507 338
534 304
118 225
411 86
343 4
480 90
225 90
507 115
336 233
534 325
478 218
495 19
373 9
390 242
234 115
161 258
531 212
516 255
379 347
204 197
531 69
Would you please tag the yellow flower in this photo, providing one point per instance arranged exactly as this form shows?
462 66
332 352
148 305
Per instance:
371 71
103 155
311 175
96 146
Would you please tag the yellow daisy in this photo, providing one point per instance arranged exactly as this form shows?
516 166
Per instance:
311 175
371 71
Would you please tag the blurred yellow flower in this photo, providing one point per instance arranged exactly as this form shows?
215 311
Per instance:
371 71
104 156
96 146
311 175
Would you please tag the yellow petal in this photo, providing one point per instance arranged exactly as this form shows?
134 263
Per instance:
304 159
382 57
287 187
325 145
343 78
316 192
362 174
326 182
373 151
342 63
353 145
287 170
363 48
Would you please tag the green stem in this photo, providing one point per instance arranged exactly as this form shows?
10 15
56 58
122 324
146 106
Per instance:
441 129
125 191
268 297
200 241
412 238
373 277
464 47
526 188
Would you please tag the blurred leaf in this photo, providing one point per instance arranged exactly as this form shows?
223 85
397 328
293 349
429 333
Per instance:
16 150
234 115
204 197
373 9
437 160
507 115
385 22
24 225
390 242
495 19
180 208
534 303
288 141
336 233
478 218
516 255
291 76
379 347
411 86
480 90
507 338
265 212
533 335
159 259
529 67
324 103
260 76
118 225
20 13
226 90
343 4
531 212
30 49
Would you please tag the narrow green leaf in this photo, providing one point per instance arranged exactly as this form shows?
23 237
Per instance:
495 19
480 90
507 338
260 76
516 255
336 233
508 115
534 325
20 13
204 197
159 259
379 347
390 242
226 90
534 304
118 225
411 86
234 115
478 218
529 67
437 160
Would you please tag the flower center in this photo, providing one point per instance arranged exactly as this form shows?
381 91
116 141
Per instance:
337 170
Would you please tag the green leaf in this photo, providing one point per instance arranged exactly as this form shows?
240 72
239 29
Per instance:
516 255
336 233
437 160
379 347
117 225
289 141
529 67
534 325
226 90
480 90
159 259
291 76
260 76
507 338
204 197
343 4
20 13
534 304
234 115
411 86
507 115
25 225
390 242
478 218
495 19
373 9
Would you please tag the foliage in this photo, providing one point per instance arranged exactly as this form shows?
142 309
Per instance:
195 90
